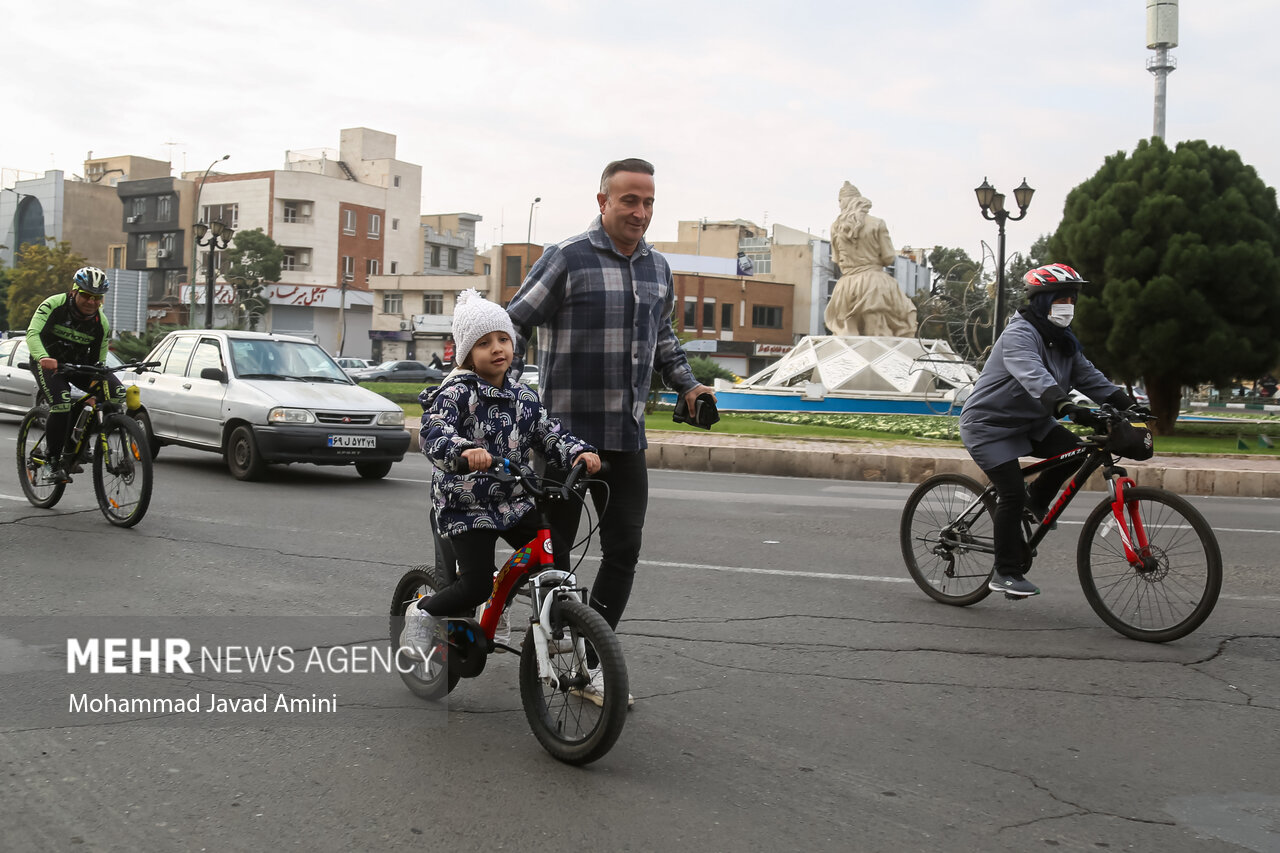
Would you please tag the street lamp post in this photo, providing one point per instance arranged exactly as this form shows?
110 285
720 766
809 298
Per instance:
529 236
992 204
219 238
197 217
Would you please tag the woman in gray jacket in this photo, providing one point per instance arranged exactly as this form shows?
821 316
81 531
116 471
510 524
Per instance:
1013 410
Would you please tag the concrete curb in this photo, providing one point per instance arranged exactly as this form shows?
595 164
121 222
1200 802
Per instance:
1241 476
871 461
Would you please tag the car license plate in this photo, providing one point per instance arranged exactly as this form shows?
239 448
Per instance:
369 441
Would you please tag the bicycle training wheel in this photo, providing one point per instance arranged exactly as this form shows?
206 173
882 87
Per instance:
1175 592
426 679
122 471
566 718
37 485
948 551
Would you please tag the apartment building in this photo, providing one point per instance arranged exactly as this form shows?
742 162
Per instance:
798 263
342 218
413 314
83 211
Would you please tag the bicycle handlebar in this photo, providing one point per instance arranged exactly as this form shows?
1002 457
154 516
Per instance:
502 469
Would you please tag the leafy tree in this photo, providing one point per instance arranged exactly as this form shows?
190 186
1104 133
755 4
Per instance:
707 370
5 280
1183 249
42 270
132 346
952 265
253 259
1019 264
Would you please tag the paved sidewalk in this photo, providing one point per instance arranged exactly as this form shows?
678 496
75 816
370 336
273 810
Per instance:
853 459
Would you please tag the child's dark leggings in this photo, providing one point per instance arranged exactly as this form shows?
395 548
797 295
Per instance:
474 551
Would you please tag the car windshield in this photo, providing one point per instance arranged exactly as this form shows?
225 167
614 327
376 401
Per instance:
386 365
284 360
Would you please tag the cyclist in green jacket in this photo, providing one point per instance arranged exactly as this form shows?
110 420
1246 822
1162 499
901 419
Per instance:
69 328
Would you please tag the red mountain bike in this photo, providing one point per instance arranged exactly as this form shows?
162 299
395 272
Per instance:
1149 563
565 644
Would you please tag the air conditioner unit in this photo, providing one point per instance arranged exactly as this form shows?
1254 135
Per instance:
404 325
132 219
162 253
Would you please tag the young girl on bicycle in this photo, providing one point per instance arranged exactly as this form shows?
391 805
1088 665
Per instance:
476 416
1013 410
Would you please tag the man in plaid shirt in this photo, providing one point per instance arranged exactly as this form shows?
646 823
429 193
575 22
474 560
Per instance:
601 303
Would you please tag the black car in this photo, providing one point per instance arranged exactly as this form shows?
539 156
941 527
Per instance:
399 371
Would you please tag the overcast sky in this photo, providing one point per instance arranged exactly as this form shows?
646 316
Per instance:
753 110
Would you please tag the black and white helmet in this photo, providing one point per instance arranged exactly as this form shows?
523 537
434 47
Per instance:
91 280
1052 278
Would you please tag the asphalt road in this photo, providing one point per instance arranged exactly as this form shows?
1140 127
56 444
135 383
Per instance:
794 689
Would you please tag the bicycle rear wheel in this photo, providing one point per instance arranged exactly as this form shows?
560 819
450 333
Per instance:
122 471
568 724
426 679
1173 595
949 555
41 490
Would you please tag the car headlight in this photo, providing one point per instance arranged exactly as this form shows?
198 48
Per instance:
281 415
395 418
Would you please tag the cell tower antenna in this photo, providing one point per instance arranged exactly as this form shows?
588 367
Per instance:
1162 36
171 145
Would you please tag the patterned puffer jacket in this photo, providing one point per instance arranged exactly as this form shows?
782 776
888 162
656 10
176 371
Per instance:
465 411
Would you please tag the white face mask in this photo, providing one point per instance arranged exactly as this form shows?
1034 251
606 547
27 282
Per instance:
1061 314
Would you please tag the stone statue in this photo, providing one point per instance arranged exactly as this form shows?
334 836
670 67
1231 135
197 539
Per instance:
866 300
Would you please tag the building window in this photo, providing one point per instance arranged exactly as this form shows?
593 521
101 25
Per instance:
139 207
395 224
117 257
395 181
435 256
453 259
395 267
690 315
392 302
709 316
348 268
140 252
726 316
488 268
375 226
348 222
512 272
164 208
166 244
296 260
371 266
290 211
433 303
227 214
766 316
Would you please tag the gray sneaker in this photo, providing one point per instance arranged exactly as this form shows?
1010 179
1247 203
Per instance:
1012 585
418 639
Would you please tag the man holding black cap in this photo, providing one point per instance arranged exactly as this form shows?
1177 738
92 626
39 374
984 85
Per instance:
602 303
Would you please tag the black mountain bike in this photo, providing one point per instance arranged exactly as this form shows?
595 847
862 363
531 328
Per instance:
102 435
1149 563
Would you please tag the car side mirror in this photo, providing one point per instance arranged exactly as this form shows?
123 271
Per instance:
215 373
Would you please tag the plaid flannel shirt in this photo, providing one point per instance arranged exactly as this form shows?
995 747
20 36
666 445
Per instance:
604 327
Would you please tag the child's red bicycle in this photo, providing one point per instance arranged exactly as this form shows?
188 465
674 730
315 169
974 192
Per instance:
573 679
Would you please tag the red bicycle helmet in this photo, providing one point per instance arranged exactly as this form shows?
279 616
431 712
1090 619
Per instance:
1052 278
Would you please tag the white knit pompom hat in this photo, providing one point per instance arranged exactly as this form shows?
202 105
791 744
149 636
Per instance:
473 318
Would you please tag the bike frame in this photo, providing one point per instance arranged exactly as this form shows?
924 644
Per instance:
1125 513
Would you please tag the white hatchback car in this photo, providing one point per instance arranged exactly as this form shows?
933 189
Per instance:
261 398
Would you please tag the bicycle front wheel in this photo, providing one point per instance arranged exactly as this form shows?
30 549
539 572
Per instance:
1175 591
572 722
429 679
949 551
122 471
33 462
